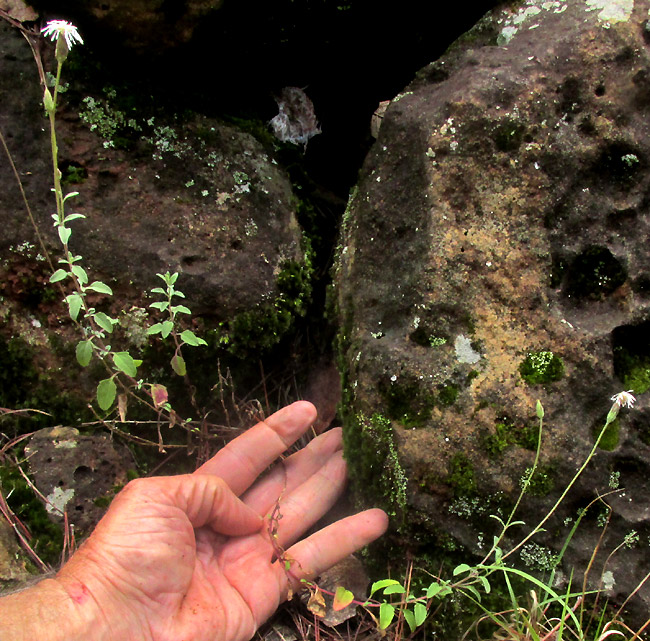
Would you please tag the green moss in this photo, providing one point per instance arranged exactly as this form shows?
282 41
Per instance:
541 367
508 135
543 480
262 328
461 475
505 435
633 369
448 394
73 174
374 467
23 386
594 274
47 539
498 441
407 402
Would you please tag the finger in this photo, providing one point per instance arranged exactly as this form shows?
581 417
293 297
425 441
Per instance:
208 501
246 457
292 472
315 554
310 501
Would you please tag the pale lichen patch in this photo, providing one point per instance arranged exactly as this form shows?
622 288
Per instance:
611 11
58 499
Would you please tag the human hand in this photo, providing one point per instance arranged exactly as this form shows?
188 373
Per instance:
190 557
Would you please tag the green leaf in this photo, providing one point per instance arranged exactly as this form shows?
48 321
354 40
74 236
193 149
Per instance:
102 288
64 234
189 338
72 194
378 585
485 583
394 589
178 365
104 321
106 391
74 305
125 363
420 614
155 329
386 614
70 217
167 327
58 275
410 619
80 273
498 555
179 294
173 278
161 305
434 589
180 309
342 598
159 290
84 353
459 569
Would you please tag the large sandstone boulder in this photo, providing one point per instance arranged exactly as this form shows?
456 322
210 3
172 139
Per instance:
189 194
495 253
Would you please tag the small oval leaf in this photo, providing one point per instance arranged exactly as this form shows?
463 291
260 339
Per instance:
178 365
102 288
84 353
74 305
58 275
159 394
180 309
386 614
80 273
64 234
167 327
125 363
420 612
106 391
378 585
394 589
410 619
104 321
189 338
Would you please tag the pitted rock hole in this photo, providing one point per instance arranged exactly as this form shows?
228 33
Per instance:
594 274
631 354
620 165
82 473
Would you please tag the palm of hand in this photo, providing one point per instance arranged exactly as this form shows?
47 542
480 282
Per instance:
185 563
181 583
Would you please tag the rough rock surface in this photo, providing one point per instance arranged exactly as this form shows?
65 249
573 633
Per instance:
193 195
142 25
495 253
78 474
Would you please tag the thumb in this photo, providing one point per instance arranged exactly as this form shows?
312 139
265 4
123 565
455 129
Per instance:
208 501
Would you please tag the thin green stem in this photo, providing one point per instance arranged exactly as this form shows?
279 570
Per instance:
565 492
521 495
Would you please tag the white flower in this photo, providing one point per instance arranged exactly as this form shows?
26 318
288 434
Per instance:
624 399
55 28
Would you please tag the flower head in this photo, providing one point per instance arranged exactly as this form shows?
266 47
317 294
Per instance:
56 28
624 399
